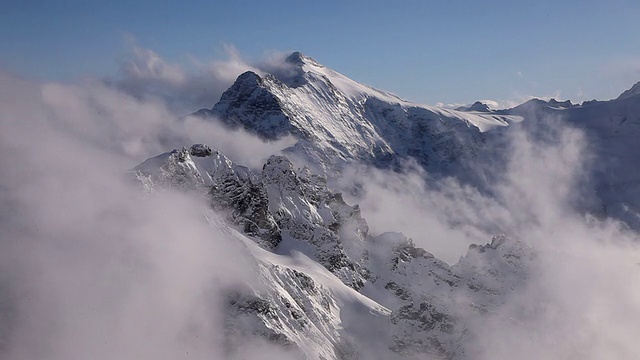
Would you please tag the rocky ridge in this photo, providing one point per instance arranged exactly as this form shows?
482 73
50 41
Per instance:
418 303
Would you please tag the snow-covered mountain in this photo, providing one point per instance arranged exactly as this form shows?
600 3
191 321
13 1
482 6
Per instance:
337 120
328 288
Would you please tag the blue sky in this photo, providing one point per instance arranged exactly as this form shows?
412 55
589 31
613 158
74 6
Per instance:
425 51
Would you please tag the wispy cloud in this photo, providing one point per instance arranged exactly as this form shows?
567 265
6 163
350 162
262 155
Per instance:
145 75
186 88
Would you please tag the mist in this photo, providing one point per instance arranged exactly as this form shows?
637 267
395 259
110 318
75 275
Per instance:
579 299
91 266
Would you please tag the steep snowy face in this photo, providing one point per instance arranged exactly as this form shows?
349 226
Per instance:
306 242
232 189
307 211
338 120
301 306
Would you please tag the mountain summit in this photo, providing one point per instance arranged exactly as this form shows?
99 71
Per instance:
633 91
337 120
297 58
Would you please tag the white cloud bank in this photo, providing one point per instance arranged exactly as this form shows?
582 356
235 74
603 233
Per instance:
581 299
89 267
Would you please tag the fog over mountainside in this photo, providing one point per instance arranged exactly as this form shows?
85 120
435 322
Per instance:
307 216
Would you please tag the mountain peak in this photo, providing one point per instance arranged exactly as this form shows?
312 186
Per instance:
298 58
477 106
556 103
634 90
248 76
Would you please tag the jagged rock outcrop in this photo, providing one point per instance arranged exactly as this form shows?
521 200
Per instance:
277 203
233 190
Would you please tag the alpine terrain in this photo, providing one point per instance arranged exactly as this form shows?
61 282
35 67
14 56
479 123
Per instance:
326 287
